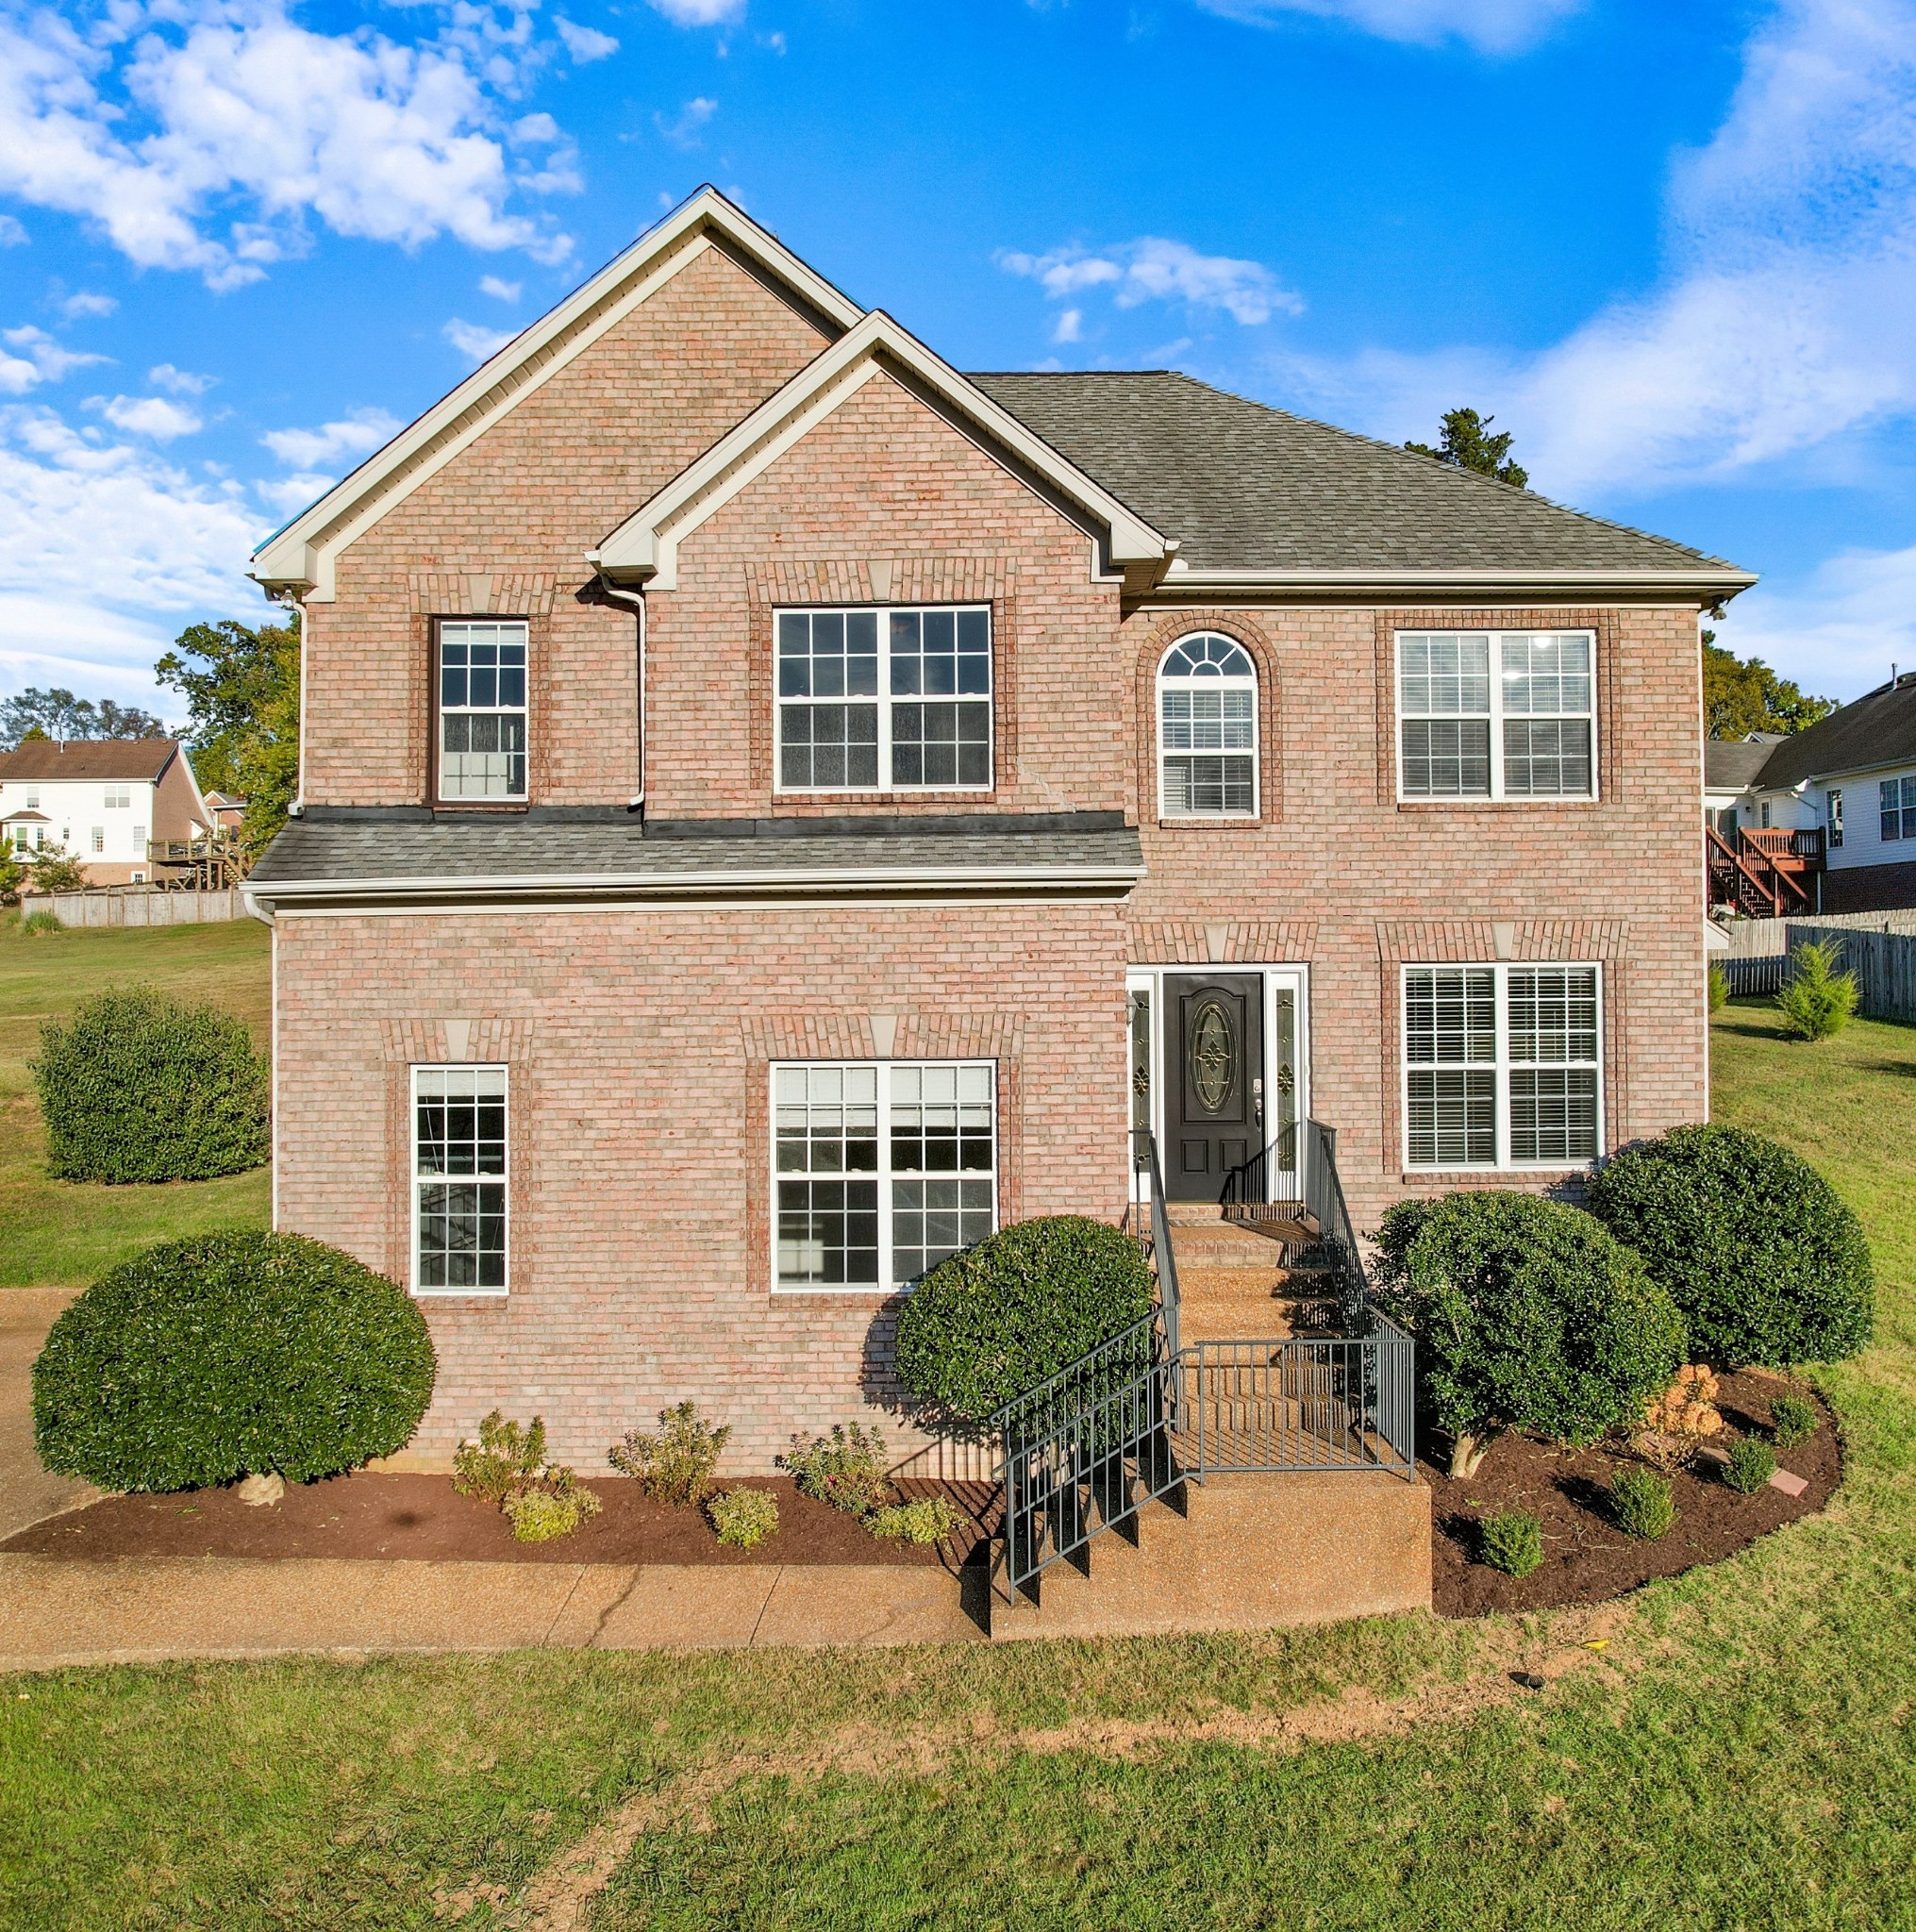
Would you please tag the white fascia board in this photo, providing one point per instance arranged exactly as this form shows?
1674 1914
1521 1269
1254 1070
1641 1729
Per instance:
646 545
1716 580
299 558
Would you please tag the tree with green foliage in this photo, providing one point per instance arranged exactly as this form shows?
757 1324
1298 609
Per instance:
241 687
37 715
54 868
1466 443
1742 695
1817 1000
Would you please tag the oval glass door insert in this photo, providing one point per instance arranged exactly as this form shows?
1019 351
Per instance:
1213 1055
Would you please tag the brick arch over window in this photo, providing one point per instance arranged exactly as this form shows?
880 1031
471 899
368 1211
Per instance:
1239 627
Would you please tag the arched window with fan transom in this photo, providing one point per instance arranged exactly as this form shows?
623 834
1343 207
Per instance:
1207 729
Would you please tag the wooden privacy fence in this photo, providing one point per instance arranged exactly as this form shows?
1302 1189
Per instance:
135 905
1883 963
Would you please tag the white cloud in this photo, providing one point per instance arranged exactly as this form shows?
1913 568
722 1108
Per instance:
683 130
355 434
202 134
1492 26
179 382
11 234
288 495
1838 632
85 303
500 290
698 13
1782 321
1069 326
1152 269
149 416
475 341
40 359
101 544
585 43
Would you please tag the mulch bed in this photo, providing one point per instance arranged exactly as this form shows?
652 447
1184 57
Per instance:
421 1518
1585 1558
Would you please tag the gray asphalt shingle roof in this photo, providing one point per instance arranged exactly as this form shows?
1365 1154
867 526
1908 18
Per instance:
1878 729
1730 764
1244 487
315 851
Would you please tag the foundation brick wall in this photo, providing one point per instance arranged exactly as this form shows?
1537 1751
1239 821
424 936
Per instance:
639 1040
638 1046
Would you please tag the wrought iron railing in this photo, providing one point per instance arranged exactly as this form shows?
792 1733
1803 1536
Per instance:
1163 1254
1249 1189
1325 1209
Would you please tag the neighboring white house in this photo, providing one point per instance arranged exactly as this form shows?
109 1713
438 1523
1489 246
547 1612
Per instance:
103 800
1852 775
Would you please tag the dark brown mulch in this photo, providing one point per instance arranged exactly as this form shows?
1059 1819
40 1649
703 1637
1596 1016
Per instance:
394 1518
1587 1559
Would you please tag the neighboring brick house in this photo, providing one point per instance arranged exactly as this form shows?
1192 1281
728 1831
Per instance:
103 800
774 807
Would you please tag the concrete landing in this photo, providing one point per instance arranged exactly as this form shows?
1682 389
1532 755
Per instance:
1249 1553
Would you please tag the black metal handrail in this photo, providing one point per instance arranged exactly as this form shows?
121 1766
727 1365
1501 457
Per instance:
1163 1256
1248 1187
1325 1207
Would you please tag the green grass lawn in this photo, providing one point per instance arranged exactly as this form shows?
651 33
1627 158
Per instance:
53 1232
1741 1755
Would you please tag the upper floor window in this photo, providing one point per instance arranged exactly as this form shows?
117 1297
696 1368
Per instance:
885 700
1835 800
118 798
1207 729
482 709
1898 806
1496 714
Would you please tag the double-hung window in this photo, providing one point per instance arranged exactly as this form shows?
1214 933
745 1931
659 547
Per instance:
482 711
1897 798
885 700
1500 1066
1834 801
881 1170
459 1180
1496 714
118 798
1207 729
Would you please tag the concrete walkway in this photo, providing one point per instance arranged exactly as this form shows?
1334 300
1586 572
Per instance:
27 1494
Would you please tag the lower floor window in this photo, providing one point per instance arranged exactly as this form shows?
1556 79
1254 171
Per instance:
459 1179
882 1169
1500 1066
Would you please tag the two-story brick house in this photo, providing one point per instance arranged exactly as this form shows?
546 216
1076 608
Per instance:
775 807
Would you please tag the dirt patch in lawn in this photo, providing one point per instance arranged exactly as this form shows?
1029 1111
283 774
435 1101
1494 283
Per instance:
421 1518
1587 1559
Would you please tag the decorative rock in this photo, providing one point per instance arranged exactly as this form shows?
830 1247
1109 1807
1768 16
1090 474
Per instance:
1789 1485
259 1491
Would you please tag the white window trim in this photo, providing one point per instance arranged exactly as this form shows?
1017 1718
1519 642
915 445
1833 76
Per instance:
414 1178
441 711
1501 1067
1496 796
884 700
884 1175
1257 752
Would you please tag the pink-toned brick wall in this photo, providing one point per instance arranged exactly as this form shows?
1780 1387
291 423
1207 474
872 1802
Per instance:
639 1044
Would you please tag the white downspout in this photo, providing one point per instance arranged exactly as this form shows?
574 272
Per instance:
635 602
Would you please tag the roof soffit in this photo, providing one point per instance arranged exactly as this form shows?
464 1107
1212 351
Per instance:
300 558
644 548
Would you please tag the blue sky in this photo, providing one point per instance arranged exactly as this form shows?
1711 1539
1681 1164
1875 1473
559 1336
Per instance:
1674 249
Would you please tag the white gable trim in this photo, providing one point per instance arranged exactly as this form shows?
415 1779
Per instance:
299 559
646 545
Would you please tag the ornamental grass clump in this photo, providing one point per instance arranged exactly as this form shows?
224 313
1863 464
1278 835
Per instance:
998 1319
136 1087
743 1518
676 1465
846 1469
229 1354
925 1519
1512 1541
507 1467
1752 1463
1527 1316
1640 1503
1817 1001
1792 1421
1756 1248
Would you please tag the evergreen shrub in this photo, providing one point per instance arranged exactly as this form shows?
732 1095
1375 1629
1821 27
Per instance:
230 1355
136 1087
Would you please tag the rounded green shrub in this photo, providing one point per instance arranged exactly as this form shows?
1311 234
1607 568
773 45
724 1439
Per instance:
136 1087
997 1318
1792 1421
1641 1504
1752 1463
743 1518
1753 1244
1512 1541
230 1355
1526 1315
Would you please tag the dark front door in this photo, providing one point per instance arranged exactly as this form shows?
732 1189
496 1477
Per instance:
1213 1098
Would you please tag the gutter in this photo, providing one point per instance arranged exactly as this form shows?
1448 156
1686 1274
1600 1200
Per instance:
1710 582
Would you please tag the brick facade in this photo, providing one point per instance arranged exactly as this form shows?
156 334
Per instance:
639 1040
